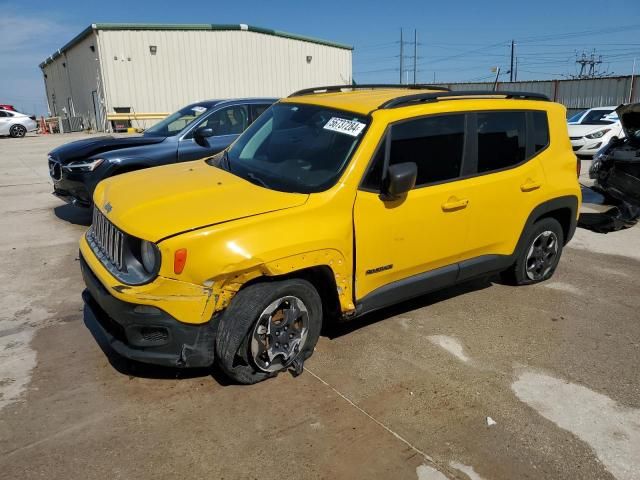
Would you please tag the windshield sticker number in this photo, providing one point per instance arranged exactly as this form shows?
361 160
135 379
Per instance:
348 127
199 109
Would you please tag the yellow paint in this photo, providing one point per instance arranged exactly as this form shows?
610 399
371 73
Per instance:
235 231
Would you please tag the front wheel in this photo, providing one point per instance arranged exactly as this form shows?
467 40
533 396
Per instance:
539 258
18 131
268 328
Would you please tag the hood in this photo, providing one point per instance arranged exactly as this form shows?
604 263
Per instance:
630 120
156 203
95 145
576 130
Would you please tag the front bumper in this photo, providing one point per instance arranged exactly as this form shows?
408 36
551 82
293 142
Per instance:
75 188
584 146
154 337
72 187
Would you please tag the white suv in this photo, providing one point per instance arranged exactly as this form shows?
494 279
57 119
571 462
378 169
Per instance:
592 129
16 124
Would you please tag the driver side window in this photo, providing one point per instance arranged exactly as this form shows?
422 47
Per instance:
228 121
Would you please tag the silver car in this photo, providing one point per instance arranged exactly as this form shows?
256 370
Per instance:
16 124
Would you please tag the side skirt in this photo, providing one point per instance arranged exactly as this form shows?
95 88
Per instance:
430 281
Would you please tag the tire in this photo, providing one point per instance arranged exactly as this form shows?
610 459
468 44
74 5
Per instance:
17 131
539 258
241 354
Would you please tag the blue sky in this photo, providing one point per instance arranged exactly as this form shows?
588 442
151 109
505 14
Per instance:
457 41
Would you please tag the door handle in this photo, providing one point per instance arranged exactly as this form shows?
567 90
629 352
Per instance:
530 186
454 204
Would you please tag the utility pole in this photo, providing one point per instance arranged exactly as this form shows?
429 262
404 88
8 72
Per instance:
588 65
633 78
515 76
415 55
513 44
401 56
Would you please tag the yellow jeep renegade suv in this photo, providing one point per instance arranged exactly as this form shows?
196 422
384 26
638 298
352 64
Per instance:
336 202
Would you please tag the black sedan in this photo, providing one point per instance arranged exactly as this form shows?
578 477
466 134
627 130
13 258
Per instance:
195 131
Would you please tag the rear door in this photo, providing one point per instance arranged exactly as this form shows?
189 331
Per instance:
227 123
507 177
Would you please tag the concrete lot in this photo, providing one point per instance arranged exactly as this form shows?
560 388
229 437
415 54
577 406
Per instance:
405 393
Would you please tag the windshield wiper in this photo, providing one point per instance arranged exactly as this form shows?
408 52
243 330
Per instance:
258 180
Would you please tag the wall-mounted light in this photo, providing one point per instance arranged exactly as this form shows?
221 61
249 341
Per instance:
309 58
92 48
64 65
153 49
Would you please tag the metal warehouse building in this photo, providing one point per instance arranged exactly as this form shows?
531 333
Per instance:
140 72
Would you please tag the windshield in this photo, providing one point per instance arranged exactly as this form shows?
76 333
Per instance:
296 148
576 117
176 122
599 117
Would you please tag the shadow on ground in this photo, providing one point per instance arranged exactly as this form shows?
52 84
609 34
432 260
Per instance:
75 215
335 330
339 329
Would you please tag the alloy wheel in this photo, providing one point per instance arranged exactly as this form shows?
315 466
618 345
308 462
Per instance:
541 256
279 334
18 131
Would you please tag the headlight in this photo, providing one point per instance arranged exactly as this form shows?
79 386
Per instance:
149 256
598 134
83 165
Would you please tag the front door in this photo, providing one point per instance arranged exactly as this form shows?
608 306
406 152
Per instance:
227 123
426 229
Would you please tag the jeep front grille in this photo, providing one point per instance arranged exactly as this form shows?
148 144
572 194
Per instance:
106 240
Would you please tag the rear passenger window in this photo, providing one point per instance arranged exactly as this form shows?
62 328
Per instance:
501 140
435 144
540 131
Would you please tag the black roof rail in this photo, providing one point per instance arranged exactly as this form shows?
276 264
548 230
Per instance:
366 86
459 95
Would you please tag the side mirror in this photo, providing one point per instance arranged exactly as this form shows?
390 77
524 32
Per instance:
401 178
200 136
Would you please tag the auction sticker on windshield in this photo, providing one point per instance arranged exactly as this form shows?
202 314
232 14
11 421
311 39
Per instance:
348 127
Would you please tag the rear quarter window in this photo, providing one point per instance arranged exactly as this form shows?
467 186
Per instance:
540 131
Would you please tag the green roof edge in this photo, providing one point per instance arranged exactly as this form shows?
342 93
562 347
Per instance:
188 27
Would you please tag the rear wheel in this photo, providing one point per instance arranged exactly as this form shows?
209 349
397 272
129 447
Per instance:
268 328
18 131
539 258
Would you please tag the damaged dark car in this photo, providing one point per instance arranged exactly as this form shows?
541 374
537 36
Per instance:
616 171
